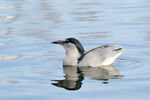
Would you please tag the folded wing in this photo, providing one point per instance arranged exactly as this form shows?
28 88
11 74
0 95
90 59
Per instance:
103 55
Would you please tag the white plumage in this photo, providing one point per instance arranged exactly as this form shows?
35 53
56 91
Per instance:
100 56
104 55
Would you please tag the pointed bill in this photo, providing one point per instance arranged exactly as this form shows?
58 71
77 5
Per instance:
58 42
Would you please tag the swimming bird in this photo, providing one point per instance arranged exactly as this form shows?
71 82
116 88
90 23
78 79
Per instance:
77 56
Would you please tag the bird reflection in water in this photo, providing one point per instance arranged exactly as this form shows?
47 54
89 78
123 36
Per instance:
75 75
73 78
103 73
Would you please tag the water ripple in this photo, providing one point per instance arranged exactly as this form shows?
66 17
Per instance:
5 17
9 57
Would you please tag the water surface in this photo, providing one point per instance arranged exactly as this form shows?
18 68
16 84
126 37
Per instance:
31 67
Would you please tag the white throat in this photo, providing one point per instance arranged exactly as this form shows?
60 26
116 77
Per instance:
72 55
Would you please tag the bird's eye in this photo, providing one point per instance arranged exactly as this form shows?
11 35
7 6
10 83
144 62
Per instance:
67 41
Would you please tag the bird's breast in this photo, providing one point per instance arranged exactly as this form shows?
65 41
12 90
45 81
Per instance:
70 61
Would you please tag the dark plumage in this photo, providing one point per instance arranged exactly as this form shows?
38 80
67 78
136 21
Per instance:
77 44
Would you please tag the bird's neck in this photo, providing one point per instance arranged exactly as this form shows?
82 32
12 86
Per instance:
71 57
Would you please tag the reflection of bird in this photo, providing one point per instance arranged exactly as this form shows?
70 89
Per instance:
73 79
75 75
101 73
76 56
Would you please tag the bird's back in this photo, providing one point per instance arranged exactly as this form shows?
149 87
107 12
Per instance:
103 55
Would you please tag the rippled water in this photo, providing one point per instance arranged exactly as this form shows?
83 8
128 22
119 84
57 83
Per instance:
31 67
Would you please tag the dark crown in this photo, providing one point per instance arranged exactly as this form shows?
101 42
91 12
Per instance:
76 43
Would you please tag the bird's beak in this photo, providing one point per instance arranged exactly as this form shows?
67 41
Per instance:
58 42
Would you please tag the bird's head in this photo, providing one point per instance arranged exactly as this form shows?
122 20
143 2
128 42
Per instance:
70 43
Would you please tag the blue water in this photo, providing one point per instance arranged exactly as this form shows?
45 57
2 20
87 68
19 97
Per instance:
30 65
